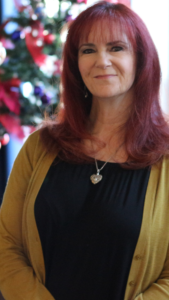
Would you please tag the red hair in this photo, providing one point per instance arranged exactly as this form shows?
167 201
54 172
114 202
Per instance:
147 133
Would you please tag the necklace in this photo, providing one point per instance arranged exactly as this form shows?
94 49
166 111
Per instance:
95 178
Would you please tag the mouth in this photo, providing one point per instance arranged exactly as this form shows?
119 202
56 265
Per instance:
105 76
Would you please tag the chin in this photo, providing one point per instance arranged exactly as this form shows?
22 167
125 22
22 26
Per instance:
104 95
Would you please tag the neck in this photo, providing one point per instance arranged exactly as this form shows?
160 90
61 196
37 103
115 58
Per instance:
108 116
106 124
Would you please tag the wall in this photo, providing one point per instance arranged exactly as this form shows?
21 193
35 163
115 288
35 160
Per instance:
155 14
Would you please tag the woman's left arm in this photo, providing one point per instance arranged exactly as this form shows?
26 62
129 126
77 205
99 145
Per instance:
159 290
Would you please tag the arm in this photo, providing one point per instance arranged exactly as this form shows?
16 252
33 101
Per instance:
159 290
17 277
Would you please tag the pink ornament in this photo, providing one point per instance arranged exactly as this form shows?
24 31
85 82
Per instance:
58 67
125 2
19 6
7 44
79 1
12 125
4 140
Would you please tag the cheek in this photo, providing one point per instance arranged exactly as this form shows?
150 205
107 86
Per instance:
129 64
84 67
81 65
130 70
82 70
133 67
133 72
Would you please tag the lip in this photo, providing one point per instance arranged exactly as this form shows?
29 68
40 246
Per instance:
105 76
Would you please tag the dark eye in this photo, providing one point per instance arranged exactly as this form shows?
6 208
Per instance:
116 48
88 51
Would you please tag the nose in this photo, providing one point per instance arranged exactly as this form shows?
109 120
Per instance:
102 60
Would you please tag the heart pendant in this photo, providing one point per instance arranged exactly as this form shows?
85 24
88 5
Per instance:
95 178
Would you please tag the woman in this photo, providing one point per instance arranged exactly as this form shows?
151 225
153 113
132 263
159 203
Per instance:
85 213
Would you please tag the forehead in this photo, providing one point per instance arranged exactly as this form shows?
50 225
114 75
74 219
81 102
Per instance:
104 32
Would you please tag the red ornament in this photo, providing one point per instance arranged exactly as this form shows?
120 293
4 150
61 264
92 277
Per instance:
49 38
31 42
4 140
9 97
15 82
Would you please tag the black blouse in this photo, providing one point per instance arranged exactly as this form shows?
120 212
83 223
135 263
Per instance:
89 232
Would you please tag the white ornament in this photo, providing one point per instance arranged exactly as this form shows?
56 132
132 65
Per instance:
45 32
49 67
27 89
28 29
34 17
22 35
34 32
39 43
2 53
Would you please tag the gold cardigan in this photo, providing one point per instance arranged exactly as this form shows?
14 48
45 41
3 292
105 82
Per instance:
22 270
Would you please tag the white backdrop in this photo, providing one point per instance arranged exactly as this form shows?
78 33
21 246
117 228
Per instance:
155 14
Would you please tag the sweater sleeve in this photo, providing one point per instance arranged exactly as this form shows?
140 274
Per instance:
159 290
18 280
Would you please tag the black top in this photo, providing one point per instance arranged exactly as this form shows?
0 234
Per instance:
89 232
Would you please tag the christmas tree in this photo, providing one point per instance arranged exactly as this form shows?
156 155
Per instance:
30 74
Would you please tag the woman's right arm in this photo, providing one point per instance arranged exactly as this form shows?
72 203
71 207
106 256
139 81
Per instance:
18 280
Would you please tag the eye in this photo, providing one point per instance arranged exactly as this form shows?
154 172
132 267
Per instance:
116 48
87 51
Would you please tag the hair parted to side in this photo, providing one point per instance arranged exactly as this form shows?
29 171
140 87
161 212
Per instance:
147 132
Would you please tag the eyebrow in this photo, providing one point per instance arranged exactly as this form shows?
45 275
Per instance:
108 44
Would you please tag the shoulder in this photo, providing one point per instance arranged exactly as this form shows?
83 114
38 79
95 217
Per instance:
165 162
160 170
165 167
32 149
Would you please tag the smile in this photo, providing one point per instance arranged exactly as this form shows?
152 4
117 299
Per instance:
105 76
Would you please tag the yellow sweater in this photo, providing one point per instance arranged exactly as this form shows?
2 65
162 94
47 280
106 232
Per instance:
22 270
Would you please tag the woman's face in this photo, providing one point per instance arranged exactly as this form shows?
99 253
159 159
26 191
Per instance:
107 67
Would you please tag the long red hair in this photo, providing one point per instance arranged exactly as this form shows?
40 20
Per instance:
147 132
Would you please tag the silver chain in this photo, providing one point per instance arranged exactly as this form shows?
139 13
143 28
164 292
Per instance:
98 170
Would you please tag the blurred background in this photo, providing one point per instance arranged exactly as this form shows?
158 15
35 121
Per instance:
32 33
